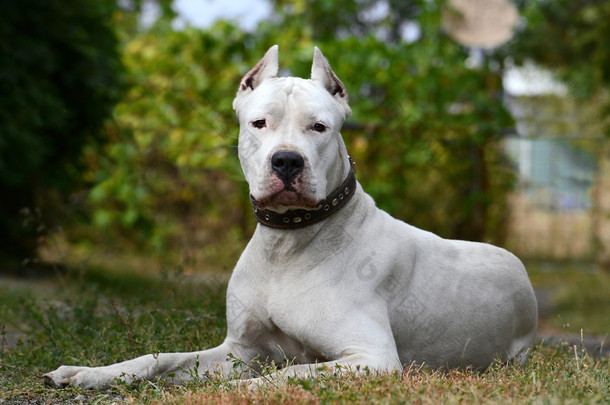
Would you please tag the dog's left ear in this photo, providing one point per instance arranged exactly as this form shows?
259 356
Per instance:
322 73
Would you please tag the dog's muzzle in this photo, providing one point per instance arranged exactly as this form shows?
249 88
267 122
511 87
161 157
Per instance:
300 218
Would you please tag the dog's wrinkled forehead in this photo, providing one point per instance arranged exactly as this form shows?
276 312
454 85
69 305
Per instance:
278 96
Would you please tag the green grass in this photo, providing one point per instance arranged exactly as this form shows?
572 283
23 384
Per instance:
579 294
95 317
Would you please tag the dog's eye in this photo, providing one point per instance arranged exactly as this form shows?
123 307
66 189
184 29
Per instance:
260 124
319 127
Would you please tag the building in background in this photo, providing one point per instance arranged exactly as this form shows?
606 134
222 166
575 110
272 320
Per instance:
560 210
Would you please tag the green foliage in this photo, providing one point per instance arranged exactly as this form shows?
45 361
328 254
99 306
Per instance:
571 37
172 169
326 20
59 79
425 129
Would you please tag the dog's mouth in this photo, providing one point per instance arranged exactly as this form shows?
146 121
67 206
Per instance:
282 194
284 200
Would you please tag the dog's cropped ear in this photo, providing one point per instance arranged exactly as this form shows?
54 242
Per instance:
264 69
323 74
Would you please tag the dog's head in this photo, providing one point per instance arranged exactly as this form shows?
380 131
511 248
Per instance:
290 148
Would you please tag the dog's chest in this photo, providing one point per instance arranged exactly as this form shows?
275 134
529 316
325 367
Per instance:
303 312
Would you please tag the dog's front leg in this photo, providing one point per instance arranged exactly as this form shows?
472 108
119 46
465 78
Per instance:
176 367
357 363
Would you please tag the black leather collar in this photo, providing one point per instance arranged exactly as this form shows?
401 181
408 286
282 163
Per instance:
300 218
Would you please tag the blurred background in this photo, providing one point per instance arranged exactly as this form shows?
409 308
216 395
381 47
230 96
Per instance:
485 120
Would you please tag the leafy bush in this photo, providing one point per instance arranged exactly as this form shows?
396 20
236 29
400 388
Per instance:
171 175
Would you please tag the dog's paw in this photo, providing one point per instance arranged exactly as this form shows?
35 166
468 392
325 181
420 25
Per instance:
62 377
248 384
83 377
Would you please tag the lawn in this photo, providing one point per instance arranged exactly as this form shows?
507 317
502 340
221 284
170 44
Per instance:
94 316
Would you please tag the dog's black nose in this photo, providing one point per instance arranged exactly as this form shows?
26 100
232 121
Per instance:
287 164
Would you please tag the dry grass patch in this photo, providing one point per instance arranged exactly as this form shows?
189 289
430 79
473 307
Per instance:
561 375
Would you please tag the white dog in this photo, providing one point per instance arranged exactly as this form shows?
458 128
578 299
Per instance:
328 281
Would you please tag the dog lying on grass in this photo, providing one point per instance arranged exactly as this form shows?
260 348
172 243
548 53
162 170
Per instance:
328 280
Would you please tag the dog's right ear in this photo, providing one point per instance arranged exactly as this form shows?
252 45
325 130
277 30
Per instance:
322 73
266 68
